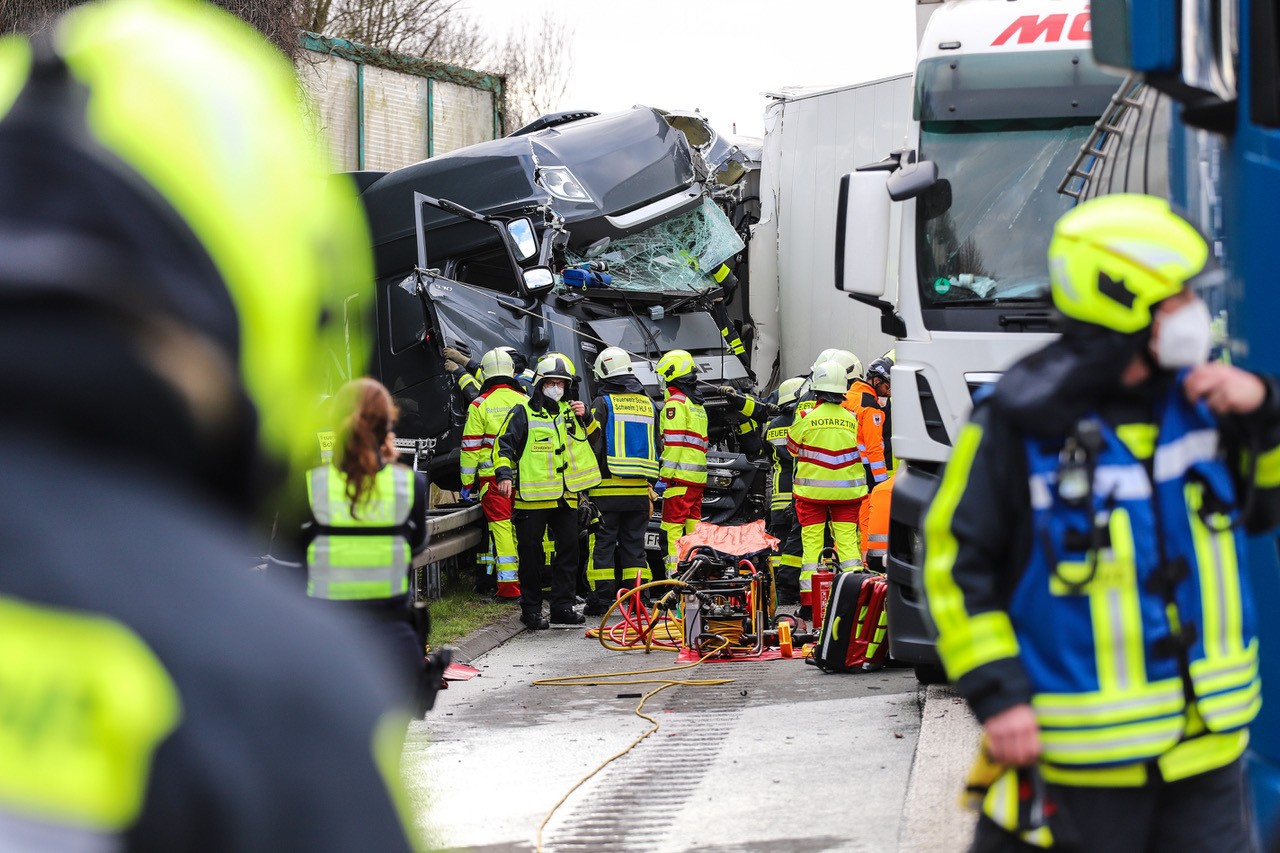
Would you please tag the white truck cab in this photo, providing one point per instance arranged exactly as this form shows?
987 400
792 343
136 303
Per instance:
1005 94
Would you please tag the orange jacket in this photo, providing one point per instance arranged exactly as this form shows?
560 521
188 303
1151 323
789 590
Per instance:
861 400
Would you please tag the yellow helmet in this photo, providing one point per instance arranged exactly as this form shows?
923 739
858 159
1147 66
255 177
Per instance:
168 133
675 365
497 362
789 390
825 355
1114 257
555 365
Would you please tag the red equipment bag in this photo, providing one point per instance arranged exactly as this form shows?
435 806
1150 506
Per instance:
853 631
868 649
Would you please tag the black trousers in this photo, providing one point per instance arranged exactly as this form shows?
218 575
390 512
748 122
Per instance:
1204 814
783 524
530 524
620 541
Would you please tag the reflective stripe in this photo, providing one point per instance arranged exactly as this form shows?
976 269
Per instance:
471 443
854 563
1172 460
877 537
1267 471
363 565
688 466
829 484
681 440
1121 482
827 457
1067 710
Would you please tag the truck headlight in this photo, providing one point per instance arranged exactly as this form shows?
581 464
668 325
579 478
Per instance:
720 481
561 183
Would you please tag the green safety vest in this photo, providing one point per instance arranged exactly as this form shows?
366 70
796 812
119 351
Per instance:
684 441
372 560
581 470
539 477
828 465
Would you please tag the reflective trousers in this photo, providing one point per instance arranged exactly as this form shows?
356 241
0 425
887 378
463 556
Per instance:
497 510
813 518
787 561
681 512
531 525
619 551
1202 814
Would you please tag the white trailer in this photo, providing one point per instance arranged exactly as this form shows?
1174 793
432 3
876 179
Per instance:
813 137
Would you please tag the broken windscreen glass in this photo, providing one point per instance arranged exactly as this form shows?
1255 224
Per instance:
679 254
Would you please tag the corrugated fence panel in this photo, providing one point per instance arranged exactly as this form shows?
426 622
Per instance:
461 116
395 119
331 83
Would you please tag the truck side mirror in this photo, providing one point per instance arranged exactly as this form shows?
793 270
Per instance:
911 179
862 233
538 280
521 231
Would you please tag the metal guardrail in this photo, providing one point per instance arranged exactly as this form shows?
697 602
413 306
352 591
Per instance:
451 531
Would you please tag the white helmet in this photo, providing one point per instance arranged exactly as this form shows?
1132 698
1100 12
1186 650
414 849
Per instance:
789 390
829 377
614 361
498 362
825 355
852 366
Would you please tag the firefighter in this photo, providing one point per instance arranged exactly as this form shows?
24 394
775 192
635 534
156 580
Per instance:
623 433
878 373
169 288
469 376
368 519
861 399
683 466
543 458
498 396
1084 554
745 416
873 525
782 511
829 477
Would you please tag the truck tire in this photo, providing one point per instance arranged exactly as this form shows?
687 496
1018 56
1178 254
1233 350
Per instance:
930 673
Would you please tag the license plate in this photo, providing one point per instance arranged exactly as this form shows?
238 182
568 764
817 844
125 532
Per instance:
653 540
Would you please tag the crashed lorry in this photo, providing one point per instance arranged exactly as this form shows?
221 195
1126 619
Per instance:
578 232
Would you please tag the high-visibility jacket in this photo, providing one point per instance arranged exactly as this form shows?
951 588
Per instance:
874 520
861 400
372 561
684 440
825 446
805 402
548 453
775 435
1130 618
485 416
629 447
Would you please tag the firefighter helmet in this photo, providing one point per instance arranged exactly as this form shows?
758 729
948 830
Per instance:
825 355
555 366
497 362
1112 258
789 390
614 361
829 378
852 366
879 369
676 364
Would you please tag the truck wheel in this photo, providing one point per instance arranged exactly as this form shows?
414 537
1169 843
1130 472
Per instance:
930 673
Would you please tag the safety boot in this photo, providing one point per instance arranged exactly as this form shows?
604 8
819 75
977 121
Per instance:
599 599
566 617
534 621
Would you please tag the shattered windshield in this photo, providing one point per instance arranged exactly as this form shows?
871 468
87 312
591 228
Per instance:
990 243
677 254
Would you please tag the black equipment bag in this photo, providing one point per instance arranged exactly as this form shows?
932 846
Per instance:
840 622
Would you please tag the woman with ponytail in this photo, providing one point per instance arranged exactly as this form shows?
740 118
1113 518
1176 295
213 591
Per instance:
368 519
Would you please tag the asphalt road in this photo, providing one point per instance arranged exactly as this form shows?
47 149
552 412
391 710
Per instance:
785 758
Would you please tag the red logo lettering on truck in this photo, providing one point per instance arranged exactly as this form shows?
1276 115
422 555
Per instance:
1030 28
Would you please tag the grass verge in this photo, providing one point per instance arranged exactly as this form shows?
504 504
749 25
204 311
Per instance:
459 611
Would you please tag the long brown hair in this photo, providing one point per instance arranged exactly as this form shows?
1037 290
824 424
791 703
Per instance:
365 413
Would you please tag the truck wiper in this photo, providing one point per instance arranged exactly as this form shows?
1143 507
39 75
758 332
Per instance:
989 301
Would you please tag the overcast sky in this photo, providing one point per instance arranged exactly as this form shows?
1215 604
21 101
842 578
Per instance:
716 56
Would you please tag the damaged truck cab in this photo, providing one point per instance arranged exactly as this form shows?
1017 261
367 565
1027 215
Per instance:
471 248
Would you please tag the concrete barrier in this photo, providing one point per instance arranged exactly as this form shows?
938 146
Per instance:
933 820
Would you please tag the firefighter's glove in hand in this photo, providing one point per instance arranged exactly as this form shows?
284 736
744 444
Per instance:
467 495
454 355
660 487
729 390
